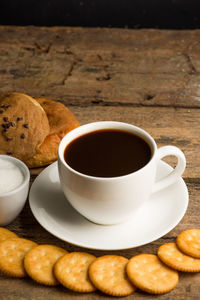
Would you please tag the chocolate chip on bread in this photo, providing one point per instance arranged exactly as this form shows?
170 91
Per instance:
23 125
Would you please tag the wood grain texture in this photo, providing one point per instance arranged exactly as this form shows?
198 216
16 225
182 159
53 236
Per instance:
149 78
118 66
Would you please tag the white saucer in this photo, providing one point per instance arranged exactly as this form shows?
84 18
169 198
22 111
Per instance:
160 214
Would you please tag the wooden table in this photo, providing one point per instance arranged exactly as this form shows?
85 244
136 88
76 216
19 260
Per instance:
149 78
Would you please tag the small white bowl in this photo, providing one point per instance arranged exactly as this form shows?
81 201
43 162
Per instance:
12 202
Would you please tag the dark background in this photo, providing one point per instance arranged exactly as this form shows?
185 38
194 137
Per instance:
166 14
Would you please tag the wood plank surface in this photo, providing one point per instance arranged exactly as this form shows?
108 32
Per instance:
149 78
118 66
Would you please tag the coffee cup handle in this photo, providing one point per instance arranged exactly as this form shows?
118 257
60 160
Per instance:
176 173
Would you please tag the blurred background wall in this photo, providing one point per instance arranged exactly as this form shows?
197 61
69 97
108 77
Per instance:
166 14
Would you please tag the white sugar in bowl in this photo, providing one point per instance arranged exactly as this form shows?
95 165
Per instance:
14 187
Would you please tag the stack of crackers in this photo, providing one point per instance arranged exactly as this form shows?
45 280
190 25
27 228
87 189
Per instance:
31 128
111 274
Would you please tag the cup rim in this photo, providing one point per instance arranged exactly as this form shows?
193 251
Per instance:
78 131
26 174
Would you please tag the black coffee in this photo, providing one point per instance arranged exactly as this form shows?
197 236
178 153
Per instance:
107 153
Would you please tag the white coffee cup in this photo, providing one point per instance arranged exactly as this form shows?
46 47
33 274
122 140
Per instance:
113 200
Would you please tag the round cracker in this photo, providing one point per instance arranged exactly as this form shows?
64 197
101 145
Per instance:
12 253
149 274
39 263
174 258
188 242
108 274
6 234
71 271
